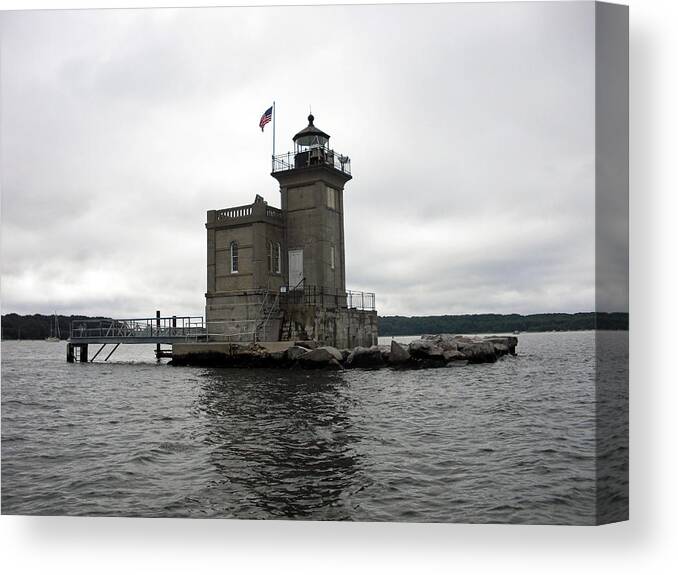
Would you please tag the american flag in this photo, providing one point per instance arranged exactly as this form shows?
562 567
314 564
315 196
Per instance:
266 118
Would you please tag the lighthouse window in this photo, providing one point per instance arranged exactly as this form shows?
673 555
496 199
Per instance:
331 198
234 257
332 257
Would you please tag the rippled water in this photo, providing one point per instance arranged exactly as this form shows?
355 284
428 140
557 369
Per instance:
507 442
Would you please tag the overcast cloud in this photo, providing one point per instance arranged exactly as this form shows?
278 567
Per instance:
470 129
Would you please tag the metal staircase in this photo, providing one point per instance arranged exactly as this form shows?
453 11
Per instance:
287 327
270 309
289 331
285 330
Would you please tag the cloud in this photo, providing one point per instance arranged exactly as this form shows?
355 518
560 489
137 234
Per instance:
470 129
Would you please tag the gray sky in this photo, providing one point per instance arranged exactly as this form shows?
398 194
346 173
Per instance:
470 129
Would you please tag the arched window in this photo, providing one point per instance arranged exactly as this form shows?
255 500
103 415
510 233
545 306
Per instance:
234 257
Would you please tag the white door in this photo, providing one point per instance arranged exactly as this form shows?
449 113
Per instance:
296 268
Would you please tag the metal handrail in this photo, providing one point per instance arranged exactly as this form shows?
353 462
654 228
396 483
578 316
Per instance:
299 283
311 158
263 325
314 295
361 300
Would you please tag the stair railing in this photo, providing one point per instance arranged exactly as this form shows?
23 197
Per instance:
266 313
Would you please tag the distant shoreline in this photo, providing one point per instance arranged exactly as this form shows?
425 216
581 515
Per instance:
37 326
502 323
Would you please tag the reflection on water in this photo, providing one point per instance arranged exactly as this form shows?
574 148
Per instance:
283 448
512 441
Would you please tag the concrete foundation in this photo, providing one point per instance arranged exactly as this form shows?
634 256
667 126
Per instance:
338 327
184 349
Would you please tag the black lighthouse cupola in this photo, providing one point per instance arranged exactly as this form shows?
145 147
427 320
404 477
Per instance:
311 149
310 138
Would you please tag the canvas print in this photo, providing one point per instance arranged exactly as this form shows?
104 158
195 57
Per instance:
364 263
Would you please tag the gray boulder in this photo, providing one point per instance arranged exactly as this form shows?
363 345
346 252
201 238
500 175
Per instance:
295 352
334 364
445 341
365 357
333 351
425 349
278 356
448 345
501 349
509 342
399 354
479 351
453 355
385 352
307 343
320 356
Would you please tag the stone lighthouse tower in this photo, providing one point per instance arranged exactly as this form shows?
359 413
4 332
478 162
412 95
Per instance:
279 274
312 197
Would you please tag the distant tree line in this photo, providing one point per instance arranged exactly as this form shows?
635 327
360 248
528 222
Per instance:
37 326
486 323
40 326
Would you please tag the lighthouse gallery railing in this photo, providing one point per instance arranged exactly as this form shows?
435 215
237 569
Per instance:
311 158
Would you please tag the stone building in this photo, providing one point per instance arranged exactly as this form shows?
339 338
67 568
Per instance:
279 274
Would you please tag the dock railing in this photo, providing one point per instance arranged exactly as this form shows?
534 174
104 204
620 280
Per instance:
139 330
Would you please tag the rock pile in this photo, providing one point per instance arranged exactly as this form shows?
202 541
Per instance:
441 350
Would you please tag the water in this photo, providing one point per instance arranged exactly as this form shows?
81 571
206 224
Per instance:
512 441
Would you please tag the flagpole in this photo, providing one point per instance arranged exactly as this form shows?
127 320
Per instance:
274 128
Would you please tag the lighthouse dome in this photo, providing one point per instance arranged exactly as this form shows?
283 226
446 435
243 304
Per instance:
311 137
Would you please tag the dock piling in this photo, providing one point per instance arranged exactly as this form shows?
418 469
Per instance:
157 325
76 352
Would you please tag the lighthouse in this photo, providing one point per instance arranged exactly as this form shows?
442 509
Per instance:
279 274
